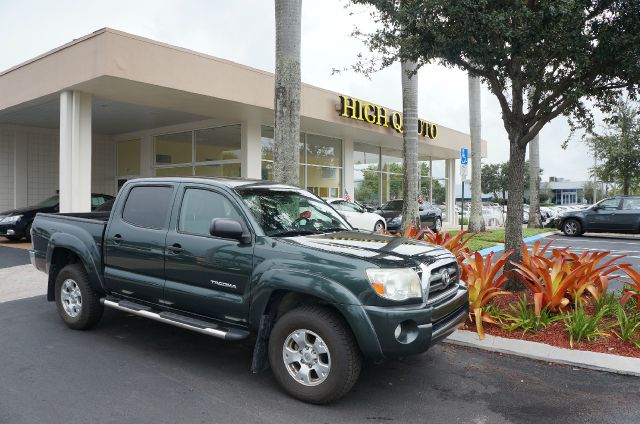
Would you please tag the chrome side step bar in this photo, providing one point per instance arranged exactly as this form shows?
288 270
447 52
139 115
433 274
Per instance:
182 321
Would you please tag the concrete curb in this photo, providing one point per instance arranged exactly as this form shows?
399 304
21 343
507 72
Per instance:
500 247
543 352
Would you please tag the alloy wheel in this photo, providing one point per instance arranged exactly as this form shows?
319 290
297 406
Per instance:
71 298
306 357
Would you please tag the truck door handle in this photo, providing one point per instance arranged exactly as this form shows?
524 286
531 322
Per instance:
117 238
175 248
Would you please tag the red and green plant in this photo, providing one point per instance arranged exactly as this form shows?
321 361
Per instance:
631 288
455 244
483 282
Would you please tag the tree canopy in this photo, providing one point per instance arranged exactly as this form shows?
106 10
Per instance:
618 148
539 58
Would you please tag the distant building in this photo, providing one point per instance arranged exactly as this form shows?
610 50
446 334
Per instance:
564 192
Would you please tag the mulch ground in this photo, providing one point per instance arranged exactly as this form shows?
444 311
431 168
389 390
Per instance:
556 334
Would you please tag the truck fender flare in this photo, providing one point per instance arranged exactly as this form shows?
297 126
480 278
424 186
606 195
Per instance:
320 287
87 257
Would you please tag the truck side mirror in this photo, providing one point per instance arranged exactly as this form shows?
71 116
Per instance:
228 228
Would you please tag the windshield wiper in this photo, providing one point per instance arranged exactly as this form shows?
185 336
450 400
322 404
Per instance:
294 233
333 230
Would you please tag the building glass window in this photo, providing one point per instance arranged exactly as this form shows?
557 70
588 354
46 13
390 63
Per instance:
366 175
320 162
203 152
128 158
173 149
392 174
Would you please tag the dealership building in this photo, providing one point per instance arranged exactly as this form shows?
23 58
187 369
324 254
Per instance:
87 116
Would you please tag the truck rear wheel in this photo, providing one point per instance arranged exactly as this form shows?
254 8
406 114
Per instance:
78 304
314 355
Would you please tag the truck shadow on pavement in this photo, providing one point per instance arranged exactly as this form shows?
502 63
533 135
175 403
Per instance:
158 373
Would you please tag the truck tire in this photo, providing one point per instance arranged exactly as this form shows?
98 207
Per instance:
314 355
78 304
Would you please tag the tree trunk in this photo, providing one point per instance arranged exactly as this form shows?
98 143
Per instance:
287 92
410 145
476 221
515 186
535 220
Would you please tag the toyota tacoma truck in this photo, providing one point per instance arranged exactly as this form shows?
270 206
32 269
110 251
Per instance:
237 259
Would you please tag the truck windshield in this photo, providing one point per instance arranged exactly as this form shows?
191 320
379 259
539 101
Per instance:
284 212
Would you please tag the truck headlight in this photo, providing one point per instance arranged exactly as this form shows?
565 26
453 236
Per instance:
11 219
395 283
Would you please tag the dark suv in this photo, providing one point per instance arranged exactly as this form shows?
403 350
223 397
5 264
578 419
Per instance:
391 211
620 214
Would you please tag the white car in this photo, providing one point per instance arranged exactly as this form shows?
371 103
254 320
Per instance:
357 216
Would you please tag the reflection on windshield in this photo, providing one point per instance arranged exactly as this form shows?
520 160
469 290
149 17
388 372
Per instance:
51 201
283 212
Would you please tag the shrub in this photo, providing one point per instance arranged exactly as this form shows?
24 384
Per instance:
480 274
523 317
580 325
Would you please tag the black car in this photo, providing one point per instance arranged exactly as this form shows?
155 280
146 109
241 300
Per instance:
16 223
430 215
619 214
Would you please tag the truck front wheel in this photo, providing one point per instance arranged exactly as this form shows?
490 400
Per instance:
314 355
78 304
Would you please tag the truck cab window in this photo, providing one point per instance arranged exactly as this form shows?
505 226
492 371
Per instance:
148 206
200 207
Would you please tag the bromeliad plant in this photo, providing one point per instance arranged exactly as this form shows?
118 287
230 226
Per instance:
455 244
563 276
632 288
481 275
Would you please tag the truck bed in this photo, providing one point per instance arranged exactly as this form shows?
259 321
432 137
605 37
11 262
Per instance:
88 228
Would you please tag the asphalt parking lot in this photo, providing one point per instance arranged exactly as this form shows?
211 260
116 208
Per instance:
619 245
10 256
130 369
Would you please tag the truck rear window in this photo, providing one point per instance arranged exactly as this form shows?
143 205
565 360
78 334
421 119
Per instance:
148 206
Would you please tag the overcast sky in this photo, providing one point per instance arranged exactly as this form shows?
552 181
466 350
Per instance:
244 32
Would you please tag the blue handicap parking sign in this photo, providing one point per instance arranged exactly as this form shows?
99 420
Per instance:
464 156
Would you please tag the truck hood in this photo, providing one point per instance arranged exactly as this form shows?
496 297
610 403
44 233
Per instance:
381 250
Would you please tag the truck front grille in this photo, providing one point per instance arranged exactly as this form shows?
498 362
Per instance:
441 279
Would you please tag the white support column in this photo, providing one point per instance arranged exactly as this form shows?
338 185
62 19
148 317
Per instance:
75 152
450 170
20 172
251 149
347 166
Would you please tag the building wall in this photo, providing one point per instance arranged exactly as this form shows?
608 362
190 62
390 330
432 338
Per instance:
29 165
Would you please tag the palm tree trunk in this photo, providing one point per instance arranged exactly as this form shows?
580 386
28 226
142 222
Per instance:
535 220
476 221
410 145
287 92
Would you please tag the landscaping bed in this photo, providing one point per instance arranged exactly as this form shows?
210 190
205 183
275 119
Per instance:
555 334
565 299
483 240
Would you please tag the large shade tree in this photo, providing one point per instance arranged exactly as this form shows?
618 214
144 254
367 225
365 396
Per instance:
540 59
287 92
411 177
618 148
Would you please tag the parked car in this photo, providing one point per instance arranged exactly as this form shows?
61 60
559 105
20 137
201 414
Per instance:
239 259
16 223
357 216
391 211
619 214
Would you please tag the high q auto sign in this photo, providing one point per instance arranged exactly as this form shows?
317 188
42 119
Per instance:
381 116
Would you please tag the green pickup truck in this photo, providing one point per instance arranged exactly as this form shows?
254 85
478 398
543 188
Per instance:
238 259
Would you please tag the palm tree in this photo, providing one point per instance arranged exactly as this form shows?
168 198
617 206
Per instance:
410 189
476 221
534 183
287 92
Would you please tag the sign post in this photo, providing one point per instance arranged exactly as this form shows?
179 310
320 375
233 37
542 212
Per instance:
464 162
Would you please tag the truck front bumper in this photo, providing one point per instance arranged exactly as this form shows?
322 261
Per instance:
404 331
